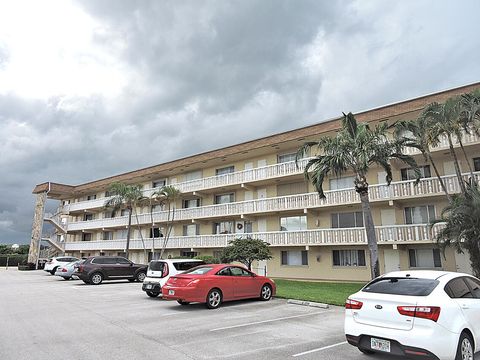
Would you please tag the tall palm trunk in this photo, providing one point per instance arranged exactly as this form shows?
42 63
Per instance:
169 229
361 187
442 183
141 235
127 247
470 169
152 229
457 166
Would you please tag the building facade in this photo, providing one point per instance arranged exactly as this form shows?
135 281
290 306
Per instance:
257 189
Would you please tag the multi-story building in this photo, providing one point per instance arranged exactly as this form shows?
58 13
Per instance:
256 189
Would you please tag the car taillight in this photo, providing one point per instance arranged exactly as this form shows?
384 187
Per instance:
64 270
165 270
80 268
353 304
424 312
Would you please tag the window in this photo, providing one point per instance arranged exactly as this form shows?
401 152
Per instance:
188 254
108 235
409 174
86 237
87 217
474 285
476 164
65 202
157 208
224 272
402 286
124 212
425 258
224 198
108 193
419 214
190 230
108 214
159 183
292 188
295 257
346 182
458 289
225 170
224 227
155 233
182 266
121 234
236 271
293 223
194 175
248 227
91 197
349 258
191 203
347 220
286 157
121 260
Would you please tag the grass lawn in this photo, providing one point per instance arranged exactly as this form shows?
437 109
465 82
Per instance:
323 292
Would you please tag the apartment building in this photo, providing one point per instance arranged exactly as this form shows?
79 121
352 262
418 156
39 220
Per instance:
256 189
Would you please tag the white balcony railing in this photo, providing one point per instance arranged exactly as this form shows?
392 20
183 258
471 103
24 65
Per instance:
385 234
379 192
235 178
469 139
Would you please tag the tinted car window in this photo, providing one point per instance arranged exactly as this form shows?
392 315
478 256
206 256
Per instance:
200 270
156 265
474 286
182 266
121 260
457 289
402 286
99 261
239 271
224 272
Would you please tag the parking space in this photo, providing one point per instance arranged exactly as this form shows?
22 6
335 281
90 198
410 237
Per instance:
45 317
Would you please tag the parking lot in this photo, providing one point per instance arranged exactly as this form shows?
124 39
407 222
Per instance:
46 317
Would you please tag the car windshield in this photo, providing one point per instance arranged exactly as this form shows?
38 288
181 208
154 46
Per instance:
401 286
199 270
156 265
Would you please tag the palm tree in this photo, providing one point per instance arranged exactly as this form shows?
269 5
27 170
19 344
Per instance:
416 135
124 197
470 111
167 195
356 147
462 225
444 121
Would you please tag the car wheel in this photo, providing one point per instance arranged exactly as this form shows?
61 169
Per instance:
54 270
152 294
214 298
140 276
96 278
366 352
266 292
465 347
86 282
181 302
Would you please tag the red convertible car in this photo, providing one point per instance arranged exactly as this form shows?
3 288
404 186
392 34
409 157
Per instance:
213 284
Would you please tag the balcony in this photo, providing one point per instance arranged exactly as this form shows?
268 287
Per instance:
467 139
394 234
235 178
379 192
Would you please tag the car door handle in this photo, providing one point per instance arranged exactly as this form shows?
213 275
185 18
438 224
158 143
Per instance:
464 306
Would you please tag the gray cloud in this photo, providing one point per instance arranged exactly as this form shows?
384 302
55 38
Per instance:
236 69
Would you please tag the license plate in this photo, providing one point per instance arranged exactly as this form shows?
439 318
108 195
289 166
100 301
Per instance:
171 292
380 344
149 286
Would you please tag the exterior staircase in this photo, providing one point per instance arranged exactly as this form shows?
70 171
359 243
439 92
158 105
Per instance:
56 221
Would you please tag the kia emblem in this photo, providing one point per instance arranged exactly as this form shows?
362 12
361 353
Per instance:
378 307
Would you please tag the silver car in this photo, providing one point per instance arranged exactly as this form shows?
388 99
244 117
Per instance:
66 271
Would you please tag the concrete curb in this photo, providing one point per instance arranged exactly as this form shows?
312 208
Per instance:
308 303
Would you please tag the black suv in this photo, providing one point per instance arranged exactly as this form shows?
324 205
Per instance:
95 269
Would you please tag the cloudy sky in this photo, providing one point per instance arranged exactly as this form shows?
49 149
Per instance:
95 88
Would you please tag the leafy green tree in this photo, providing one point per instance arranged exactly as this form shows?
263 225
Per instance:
461 229
246 251
125 197
415 134
356 148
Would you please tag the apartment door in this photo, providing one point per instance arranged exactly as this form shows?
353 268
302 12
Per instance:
391 259
388 218
384 189
462 262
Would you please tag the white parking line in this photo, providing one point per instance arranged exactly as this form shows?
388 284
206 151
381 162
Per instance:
267 321
319 349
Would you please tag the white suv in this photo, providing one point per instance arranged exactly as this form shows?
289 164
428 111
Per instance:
159 271
425 314
52 264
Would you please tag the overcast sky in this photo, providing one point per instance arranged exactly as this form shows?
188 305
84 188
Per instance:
90 89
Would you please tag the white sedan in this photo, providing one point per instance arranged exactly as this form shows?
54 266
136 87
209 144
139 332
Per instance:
421 314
